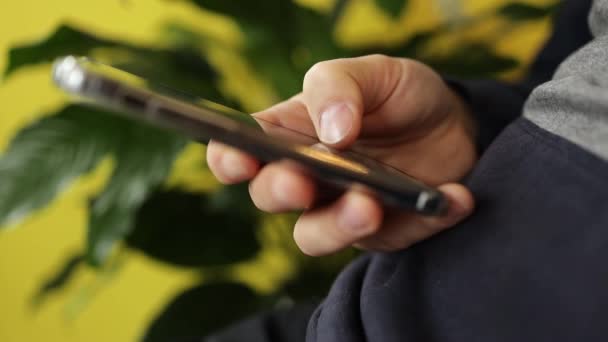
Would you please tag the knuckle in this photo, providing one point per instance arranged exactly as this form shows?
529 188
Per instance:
318 72
388 62
406 69
393 73
380 58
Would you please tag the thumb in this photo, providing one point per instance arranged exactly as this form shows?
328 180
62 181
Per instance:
338 92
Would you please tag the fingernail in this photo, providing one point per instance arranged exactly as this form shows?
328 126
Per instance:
233 167
335 123
352 219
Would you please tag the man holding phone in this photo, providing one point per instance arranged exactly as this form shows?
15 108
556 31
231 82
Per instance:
399 112
527 265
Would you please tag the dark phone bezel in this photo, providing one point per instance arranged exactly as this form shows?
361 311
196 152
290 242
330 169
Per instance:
202 121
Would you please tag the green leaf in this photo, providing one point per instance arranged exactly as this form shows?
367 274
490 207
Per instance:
315 36
283 39
268 14
195 230
393 7
178 72
410 48
143 158
272 61
284 60
309 284
59 280
203 310
271 36
233 199
270 21
519 11
338 11
473 60
181 68
64 41
315 276
45 157
143 154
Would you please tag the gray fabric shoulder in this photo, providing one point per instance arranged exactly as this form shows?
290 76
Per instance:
574 104
598 19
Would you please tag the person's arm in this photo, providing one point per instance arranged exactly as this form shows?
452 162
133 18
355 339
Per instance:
574 104
495 104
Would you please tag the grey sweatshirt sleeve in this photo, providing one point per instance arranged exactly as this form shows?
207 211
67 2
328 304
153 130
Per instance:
495 104
574 105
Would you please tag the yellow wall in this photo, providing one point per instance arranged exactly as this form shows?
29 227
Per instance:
123 304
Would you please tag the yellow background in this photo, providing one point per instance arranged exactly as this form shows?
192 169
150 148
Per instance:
123 303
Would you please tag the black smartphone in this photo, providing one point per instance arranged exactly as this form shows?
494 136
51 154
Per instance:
201 120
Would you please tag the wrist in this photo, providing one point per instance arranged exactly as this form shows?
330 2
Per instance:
462 113
455 142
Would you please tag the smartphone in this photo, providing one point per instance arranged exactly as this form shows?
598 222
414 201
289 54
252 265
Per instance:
201 120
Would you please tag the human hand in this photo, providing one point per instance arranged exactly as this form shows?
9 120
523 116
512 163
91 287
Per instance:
399 112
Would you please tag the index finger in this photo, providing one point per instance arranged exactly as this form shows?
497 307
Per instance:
231 165
291 114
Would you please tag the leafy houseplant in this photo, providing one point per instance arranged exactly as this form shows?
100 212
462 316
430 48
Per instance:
215 230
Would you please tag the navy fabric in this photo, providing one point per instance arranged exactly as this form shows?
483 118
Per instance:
529 265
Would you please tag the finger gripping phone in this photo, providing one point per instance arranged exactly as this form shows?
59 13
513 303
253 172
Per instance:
202 120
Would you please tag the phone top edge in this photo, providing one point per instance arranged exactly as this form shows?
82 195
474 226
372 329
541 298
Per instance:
69 74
